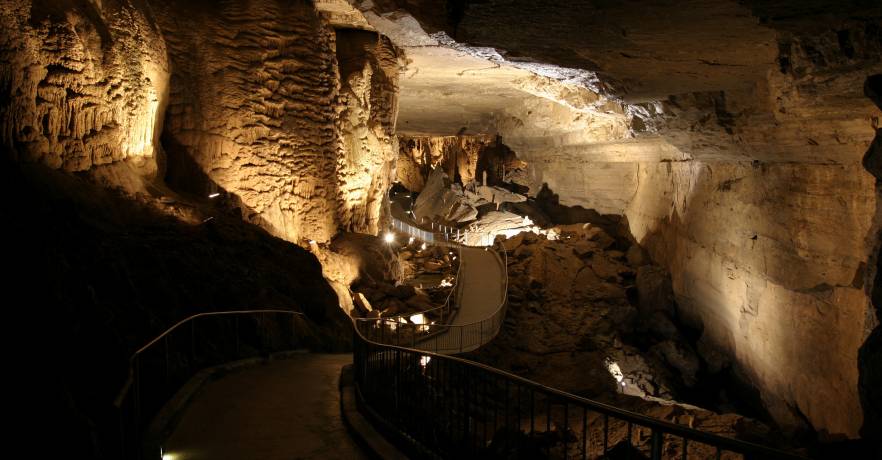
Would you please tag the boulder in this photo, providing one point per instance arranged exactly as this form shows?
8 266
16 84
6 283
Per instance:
402 291
681 358
420 302
607 268
654 290
636 256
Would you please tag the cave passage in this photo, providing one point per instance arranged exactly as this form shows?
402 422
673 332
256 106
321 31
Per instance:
671 210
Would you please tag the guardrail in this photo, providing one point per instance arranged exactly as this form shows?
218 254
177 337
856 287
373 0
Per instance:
444 312
159 368
434 404
440 406
438 238
439 337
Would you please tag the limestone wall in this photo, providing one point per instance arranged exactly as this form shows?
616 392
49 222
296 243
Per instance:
83 87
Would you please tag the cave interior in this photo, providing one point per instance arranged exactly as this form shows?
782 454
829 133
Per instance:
687 194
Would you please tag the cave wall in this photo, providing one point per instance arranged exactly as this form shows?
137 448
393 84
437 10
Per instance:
769 264
456 155
768 258
258 100
257 105
83 88
755 199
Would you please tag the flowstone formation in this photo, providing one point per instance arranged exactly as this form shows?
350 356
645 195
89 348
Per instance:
300 131
289 115
81 91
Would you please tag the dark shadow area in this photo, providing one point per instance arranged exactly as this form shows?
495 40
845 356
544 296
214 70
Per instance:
97 274
495 160
870 353
182 173
354 48
546 211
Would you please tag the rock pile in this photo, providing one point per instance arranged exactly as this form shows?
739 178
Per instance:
595 319
428 275
580 299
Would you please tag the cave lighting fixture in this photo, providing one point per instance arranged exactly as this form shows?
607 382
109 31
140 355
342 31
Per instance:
411 240
423 247
389 237
214 195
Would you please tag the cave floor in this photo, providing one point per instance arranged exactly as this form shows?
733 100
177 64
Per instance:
287 409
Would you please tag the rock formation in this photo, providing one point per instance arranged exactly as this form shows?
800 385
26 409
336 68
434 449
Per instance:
727 136
731 143
84 88
463 158
294 120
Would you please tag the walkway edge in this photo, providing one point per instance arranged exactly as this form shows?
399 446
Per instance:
373 443
170 414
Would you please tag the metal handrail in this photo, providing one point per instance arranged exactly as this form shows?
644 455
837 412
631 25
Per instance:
418 336
132 413
122 394
387 375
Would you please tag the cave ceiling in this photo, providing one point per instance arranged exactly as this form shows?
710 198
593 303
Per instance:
567 73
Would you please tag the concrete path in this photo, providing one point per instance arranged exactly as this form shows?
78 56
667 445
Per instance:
481 281
480 291
287 409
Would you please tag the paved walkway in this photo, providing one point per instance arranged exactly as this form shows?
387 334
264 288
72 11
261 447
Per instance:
481 281
287 409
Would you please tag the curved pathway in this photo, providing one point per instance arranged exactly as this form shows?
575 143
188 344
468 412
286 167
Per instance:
290 409
480 285
286 409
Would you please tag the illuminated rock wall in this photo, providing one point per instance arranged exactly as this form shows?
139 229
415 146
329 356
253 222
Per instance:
456 155
83 87
253 102
770 261
255 99
368 67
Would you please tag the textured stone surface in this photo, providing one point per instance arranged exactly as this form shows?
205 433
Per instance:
265 101
83 87
729 134
257 104
457 156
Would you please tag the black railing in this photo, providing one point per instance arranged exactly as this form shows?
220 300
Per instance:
446 407
162 366
438 336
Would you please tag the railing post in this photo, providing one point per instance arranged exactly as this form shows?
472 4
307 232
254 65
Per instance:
136 433
167 369
397 385
236 318
193 342
657 441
